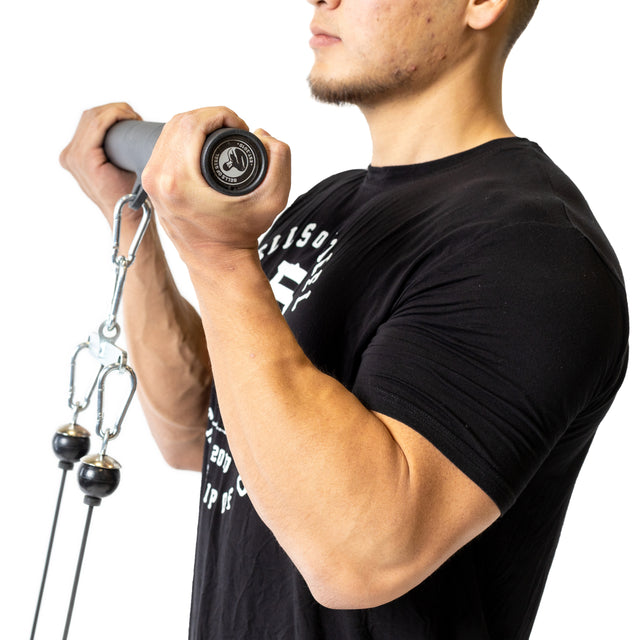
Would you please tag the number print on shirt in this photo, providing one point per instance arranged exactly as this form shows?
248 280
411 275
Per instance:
220 463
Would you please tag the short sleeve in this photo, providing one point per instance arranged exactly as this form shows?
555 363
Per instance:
493 354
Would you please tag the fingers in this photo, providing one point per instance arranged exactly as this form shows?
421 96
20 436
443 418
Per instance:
204 121
191 128
85 159
277 182
89 135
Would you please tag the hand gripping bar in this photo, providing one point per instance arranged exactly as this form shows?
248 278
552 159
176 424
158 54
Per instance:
233 161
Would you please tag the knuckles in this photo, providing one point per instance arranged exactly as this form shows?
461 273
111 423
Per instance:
183 124
163 185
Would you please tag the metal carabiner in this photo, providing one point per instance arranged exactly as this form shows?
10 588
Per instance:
112 433
121 262
147 210
76 406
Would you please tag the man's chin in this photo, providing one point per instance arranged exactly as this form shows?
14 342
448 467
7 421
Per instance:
330 92
359 93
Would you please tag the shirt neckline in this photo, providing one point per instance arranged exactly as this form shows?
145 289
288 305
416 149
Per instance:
378 175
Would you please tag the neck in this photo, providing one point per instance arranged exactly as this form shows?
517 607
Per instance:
454 114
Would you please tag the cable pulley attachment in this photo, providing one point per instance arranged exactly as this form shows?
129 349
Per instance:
98 474
234 162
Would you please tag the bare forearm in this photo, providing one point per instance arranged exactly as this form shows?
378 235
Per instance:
168 350
303 443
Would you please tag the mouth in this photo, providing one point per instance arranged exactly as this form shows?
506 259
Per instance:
321 38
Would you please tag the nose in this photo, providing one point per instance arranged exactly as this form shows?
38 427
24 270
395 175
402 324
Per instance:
330 4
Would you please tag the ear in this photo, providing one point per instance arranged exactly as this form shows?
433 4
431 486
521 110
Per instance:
481 14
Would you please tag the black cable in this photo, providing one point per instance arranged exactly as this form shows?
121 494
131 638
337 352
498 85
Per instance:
92 502
65 467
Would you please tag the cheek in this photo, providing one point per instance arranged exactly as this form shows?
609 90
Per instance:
389 34
408 38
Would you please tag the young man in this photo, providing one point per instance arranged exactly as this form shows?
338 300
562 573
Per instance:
407 369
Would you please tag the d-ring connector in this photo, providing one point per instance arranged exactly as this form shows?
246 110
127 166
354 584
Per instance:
110 434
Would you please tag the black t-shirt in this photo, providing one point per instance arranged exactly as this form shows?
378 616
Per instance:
475 299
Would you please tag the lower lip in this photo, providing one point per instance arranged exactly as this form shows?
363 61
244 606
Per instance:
321 40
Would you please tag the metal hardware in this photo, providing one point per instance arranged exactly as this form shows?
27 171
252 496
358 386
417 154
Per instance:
99 475
112 433
121 262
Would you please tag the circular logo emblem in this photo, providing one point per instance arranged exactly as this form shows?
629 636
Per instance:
234 162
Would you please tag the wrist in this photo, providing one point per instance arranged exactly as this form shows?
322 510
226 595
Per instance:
215 264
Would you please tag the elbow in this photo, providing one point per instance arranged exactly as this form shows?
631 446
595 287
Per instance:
182 458
181 447
331 597
355 595
183 454
179 438
181 463
366 570
345 586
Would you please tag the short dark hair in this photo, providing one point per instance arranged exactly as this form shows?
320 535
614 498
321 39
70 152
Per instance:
522 14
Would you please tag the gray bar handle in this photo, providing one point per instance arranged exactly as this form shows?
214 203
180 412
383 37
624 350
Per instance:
233 161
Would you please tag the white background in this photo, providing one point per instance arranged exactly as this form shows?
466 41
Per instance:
571 85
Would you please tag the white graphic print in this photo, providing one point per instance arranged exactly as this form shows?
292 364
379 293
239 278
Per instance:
289 275
316 272
211 495
215 425
220 459
282 293
292 284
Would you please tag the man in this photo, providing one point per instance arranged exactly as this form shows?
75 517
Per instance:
408 368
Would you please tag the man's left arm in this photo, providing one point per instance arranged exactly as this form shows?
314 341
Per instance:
365 506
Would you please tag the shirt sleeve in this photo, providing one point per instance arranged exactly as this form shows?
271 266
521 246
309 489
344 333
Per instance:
493 355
